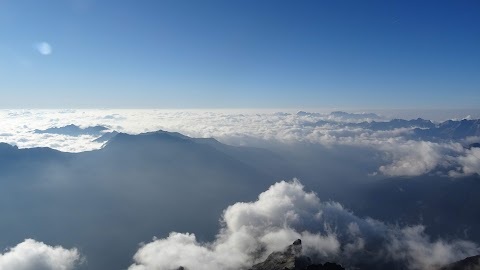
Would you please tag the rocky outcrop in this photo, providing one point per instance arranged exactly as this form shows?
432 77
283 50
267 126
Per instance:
293 259
470 263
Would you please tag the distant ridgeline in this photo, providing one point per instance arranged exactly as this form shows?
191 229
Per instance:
420 129
74 130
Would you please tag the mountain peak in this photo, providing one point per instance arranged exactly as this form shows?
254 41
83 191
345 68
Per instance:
293 259
146 138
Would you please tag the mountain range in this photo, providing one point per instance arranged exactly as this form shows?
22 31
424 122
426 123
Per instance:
73 130
422 129
159 182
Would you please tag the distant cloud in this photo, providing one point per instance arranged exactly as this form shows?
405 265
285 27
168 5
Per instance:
285 212
44 48
411 158
402 154
469 163
33 255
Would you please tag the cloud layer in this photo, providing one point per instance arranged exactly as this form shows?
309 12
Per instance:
33 255
285 212
403 156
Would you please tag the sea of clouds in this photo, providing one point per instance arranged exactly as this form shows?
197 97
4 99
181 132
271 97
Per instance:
251 230
403 156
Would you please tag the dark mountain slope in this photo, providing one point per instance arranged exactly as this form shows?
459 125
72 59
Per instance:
107 201
470 263
292 259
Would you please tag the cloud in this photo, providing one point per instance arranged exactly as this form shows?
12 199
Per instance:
412 158
469 163
412 245
402 156
33 255
44 48
285 212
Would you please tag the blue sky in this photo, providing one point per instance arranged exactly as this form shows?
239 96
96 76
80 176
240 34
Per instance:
239 54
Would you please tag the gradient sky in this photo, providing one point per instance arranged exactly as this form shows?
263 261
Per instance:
239 54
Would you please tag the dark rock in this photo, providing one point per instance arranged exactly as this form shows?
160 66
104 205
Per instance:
292 259
470 263
326 266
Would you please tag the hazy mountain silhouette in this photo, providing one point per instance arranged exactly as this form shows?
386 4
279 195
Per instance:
422 129
451 129
355 115
155 183
385 125
344 115
74 130
470 263
398 123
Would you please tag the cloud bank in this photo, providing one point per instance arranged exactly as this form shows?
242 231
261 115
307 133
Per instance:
285 212
403 155
33 255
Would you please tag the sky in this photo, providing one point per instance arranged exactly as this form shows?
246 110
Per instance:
239 54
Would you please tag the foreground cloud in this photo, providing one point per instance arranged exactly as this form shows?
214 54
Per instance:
285 212
33 255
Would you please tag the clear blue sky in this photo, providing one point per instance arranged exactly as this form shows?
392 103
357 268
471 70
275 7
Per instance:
239 54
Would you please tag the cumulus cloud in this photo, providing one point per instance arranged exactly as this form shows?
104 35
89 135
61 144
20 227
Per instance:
33 255
469 163
412 158
285 212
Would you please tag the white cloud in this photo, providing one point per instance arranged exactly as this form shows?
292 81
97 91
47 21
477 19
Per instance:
469 163
267 224
33 255
285 212
411 158
402 156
